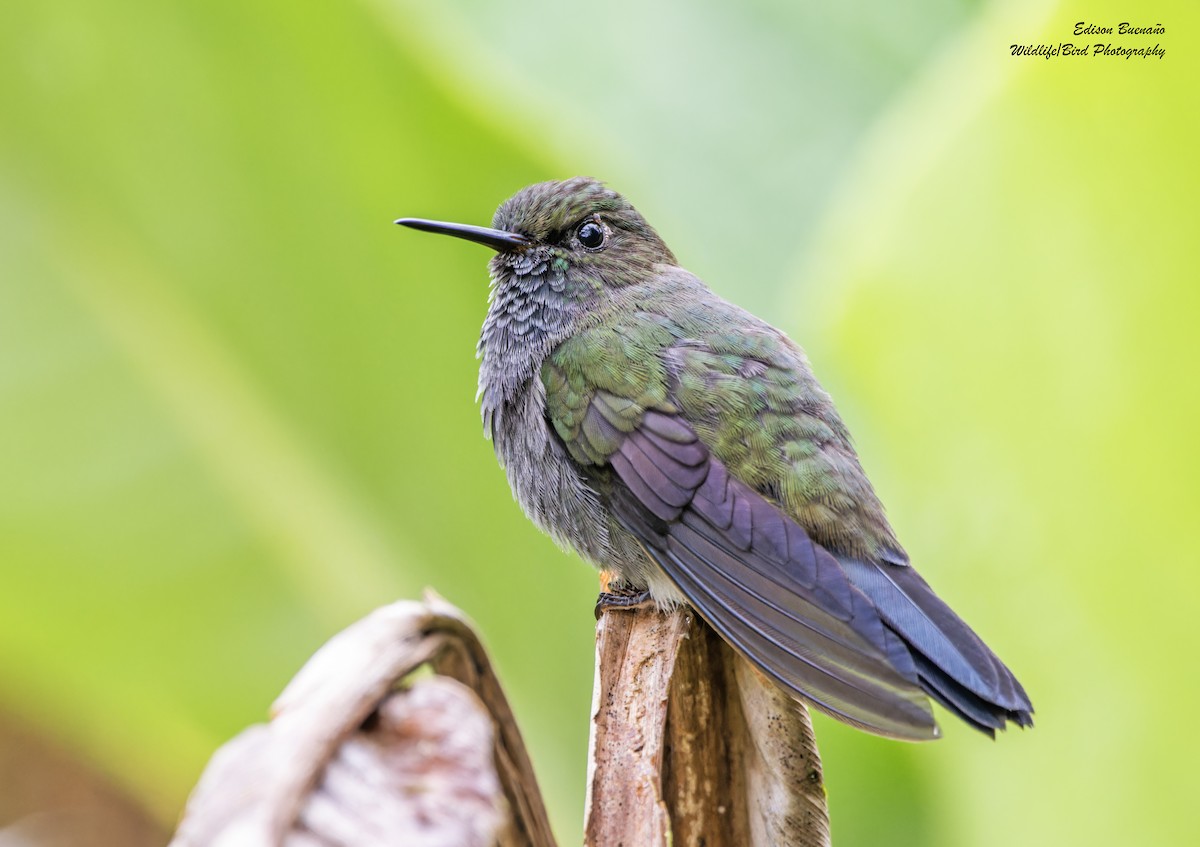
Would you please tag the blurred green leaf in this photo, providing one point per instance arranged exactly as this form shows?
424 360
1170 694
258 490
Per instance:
237 404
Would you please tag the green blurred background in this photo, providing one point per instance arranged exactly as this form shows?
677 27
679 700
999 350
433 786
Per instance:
236 403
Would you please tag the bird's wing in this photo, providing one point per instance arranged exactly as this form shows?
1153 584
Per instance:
790 445
758 578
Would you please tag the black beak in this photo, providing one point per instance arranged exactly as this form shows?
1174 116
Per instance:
497 239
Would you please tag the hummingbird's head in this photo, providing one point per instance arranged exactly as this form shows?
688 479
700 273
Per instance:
577 226
563 250
586 226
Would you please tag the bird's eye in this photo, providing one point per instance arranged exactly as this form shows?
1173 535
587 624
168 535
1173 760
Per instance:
591 235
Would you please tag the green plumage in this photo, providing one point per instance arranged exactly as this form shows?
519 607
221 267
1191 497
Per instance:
749 395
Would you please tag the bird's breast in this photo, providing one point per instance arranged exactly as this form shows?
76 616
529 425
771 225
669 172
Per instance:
547 483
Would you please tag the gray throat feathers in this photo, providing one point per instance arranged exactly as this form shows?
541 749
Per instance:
528 316
530 313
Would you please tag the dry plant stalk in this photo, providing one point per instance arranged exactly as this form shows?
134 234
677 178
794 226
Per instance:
691 746
352 757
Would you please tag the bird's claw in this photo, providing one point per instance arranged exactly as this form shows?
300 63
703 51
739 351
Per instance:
622 598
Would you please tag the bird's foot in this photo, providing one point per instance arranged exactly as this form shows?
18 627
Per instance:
622 597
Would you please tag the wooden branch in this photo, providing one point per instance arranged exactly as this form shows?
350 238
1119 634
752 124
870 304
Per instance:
350 758
691 746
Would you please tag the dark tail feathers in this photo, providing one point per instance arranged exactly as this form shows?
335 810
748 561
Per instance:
953 664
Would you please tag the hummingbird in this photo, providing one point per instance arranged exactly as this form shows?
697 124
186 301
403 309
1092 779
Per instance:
684 447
